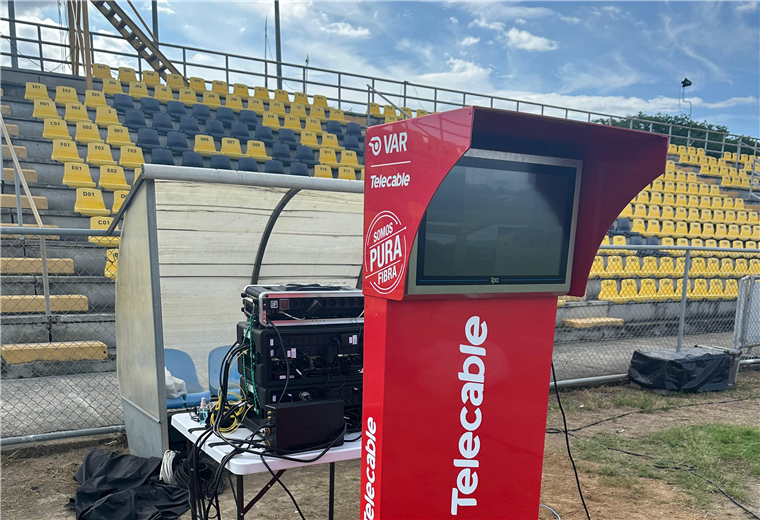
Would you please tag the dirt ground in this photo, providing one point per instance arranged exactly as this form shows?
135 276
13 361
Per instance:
37 481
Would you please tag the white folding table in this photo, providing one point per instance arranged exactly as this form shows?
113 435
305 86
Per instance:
250 463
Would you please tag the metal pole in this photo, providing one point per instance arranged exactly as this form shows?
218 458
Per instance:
738 152
278 50
86 38
684 289
12 441
12 29
45 280
154 8
369 101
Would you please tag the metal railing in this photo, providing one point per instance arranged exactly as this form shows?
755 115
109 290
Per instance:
347 90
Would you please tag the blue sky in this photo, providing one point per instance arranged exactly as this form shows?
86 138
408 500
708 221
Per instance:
618 58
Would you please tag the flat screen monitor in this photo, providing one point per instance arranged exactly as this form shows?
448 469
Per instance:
499 222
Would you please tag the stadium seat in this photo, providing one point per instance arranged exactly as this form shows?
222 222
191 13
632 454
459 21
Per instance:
632 266
215 128
249 118
138 90
668 213
287 136
131 157
65 95
176 109
274 166
176 142
211 100
726 268
281 96
309 139
655 197
667 229
149 106
162 123
389 110
323 171
312 125
281 152
597 268
330 141
118 201
256 105
717 215
327 156
106 116
344 172
181 365
197 84
94 99
45 109
261 93
298 110
220 87
122 103
647 291
36 91
640 211
112 87
240 131
220 162
188 97
738 204
264 134
162 94
134 119
348 158
374 110
240 89
248 164
257 150
89 202
609 291
127 75
65 150
192 159
189 125
151 78
55 129
337 115
665 290
305 155
100 223
76 112
99 154
318 112
147 139
354 129
292 123
204 145
77 175
87 132
175 81
334 127
271 120
231 148
299 168
118 136
319 101
201 112
225 115
112 179
653 212
234 103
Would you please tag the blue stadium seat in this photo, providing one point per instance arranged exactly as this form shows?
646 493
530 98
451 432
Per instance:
192 159
215 128
274 166
134 119
221 162
354 129
162 156
287 136
176 109
162 122
147 139
240 131
622 226
215 358
299 168
225 115
638 240
201 112
181 366
177 142
281 152
250 118
264 134
305 155
248 164
149 106
189 126
123 102
351 142
334 127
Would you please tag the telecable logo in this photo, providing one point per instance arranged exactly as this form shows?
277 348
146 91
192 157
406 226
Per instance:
389 144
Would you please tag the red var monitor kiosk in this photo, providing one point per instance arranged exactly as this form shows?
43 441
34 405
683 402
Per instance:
475 221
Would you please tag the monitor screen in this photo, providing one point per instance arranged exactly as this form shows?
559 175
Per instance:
495 221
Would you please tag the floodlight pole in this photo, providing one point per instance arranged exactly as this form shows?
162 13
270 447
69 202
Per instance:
278 50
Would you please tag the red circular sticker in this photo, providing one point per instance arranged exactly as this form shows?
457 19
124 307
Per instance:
384 253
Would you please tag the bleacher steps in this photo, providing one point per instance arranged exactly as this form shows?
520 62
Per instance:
20 151
587 323
56 351
5 110
34 266
12 129
35 304
29 174
8 200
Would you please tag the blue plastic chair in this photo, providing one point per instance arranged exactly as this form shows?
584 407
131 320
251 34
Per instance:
181 366
215 128
354 129
250 118
177 142
240 131
192 159
273 166
189 126
305 155
176 109
287 136
351 142
215 358
162 156
134 119
201 112
123 102
247 164
162 122
147 139
220 162
264 134
225 115
299 168
149 106
334 127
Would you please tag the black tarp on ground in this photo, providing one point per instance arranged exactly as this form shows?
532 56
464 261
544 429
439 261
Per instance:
125 487
690 370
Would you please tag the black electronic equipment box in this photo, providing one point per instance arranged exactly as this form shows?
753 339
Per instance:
296 305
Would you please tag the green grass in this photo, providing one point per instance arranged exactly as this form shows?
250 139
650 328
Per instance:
727 454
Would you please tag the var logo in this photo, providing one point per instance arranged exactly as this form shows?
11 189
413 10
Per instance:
390 143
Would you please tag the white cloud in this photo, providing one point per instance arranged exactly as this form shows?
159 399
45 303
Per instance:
453 20
746 7
480 22
570 19
469 40
521 21
518 39
345 29
593 76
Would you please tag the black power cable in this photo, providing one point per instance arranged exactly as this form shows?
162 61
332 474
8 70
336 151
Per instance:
281 483
287 361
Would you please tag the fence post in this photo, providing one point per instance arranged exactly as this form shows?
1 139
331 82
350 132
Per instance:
738 152
42 54
369 100
684 289
227 68
405 102
45 280
339 91
12 29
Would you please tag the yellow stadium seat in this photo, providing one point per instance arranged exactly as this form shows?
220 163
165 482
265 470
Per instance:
118 200
665 290
422 112
112 260
337 115
403 111
754 267
323 171
211 99
345 172
101 70
669 199
65 95
240 89
100 223
330 141
281 96
741 217
220 87
309 139
188 97
99 154
653 212
692 188
106 116
709 230
597 267
628 291
261 93
301 98
681 214
717 215
55 129
75 112
627 212
655 197
657 185
111 87
732 233
668 213
127 75
609 291
652 229
632 266
681 187
65 150
257 150
605 242
118 136
292 122
667 228
731 292
257 105
87 133
151 78
77 175
298 110
670 187
672 149
745 232
90 202
175 81
638 226
231 148
697 291
647 290
741 268
163 93
36 91
712 267
374 110
327 156
349 158
665 269
389 110
753 217
131 157
234 102
319 101
681 230
271 120
313 125
361 174
45 109
649 266
726 268
391 119
94 99
318 112
715 291
695 230
619 240
277 107
706 215
613 268
112 179
698 267
197 84
642 198
138 90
